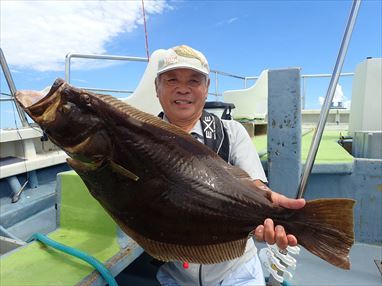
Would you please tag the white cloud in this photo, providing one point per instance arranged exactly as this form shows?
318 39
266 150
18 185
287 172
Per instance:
338 95
339 99
227 22
38 34
321 100
230 21
347 104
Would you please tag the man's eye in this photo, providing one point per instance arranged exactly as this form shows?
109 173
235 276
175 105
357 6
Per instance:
171 81
194 82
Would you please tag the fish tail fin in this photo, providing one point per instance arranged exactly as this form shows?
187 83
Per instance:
325 227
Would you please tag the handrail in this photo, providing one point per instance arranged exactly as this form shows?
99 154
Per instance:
303 76
107 90
69 56
12 88
97 57
325 75
320 75
227 74
142 59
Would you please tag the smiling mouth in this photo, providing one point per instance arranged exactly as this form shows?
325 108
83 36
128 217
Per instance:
182 102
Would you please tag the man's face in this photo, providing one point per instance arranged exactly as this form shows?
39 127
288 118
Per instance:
182 93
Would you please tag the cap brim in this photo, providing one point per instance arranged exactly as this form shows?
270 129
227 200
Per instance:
182 66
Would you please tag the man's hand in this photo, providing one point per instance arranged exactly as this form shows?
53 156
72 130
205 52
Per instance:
268 232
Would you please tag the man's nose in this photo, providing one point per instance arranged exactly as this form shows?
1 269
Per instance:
183 87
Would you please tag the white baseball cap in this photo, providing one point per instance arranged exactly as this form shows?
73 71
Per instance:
183 57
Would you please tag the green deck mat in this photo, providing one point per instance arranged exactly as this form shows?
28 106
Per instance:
84 225
329 151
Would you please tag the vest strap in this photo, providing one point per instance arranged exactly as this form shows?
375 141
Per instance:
214 133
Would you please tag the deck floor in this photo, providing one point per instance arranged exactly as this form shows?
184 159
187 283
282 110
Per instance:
310 271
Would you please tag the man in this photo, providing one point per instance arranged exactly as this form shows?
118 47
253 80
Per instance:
182 88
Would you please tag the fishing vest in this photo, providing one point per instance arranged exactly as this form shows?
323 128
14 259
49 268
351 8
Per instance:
215 135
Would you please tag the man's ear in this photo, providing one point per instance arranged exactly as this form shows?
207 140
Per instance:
156 86
208 86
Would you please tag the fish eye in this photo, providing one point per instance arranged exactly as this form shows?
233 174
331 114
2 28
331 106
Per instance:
86 98
65 108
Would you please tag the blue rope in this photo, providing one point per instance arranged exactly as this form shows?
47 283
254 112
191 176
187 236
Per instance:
105 273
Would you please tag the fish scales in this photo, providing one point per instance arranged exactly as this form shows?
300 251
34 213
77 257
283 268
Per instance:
177 198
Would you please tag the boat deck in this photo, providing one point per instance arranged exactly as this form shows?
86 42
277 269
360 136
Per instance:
329 152
84 225
91 230
310 270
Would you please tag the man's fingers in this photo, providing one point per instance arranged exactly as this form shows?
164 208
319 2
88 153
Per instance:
272 235
285 202
281 237
269 231
292 240
259 233
292 203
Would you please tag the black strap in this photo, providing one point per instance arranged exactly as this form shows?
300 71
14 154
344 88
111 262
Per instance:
214 133
227 113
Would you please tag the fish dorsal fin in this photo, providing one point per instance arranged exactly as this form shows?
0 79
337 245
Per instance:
241 175
237 172
247 180
125 109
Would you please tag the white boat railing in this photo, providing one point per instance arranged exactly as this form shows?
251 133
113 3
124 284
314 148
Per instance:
216 76
12 87
70 56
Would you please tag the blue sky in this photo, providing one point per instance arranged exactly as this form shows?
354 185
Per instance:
238 37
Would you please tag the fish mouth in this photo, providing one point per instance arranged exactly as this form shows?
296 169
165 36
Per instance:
27 98
40 106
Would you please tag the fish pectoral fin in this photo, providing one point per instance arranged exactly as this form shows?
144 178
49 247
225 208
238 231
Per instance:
89 167
84 167
122 171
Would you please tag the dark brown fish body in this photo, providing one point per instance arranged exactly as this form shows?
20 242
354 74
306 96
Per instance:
173 195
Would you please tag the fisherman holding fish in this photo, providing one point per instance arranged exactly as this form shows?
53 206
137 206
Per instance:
180 199
182 88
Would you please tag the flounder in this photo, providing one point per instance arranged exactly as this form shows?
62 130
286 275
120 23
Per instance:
173 195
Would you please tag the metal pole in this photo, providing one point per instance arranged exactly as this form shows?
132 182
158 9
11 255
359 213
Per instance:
67 67
95 57
216 86
303 93
12 88
329 98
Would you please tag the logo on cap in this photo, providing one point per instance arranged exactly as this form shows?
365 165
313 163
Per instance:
183 57
170 60
189 52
